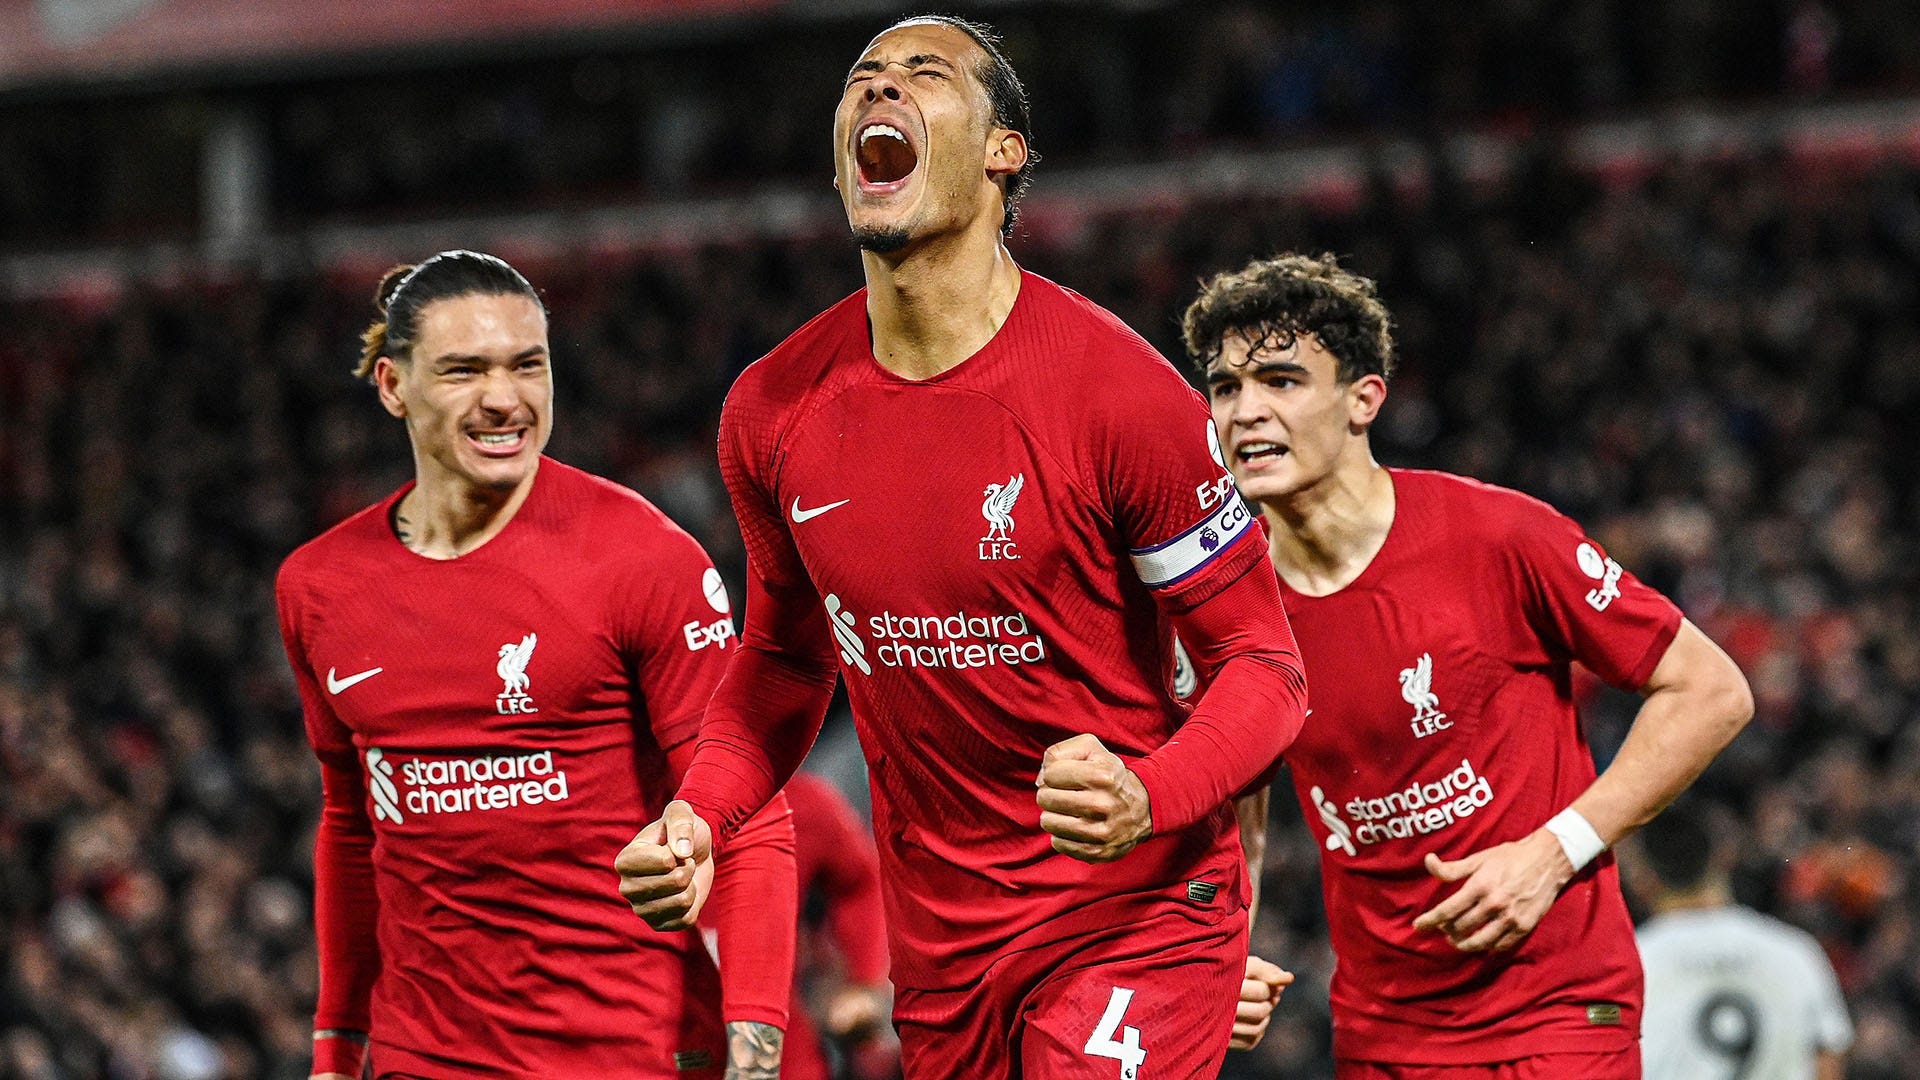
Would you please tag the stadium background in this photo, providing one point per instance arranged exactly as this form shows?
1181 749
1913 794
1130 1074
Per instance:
1656 262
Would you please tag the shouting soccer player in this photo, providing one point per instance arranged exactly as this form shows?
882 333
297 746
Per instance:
985 497
1477 921
503 666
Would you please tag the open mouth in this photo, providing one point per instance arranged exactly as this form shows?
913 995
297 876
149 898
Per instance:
885 155
1257 453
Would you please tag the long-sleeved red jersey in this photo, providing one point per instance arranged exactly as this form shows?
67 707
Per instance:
993 557
492 730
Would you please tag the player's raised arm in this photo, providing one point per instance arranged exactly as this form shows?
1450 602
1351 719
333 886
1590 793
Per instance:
1696 702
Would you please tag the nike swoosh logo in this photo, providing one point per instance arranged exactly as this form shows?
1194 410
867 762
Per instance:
334 685
800 515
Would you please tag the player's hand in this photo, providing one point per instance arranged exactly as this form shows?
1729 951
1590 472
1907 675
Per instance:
1259 993
1090 802
1508 889
666 873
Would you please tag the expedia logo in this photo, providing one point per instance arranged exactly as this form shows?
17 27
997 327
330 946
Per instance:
425 785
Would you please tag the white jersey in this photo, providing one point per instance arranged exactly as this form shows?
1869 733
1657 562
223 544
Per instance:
1735 995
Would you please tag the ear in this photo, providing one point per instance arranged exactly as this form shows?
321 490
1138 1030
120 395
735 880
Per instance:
1365 395
1006 153
386 380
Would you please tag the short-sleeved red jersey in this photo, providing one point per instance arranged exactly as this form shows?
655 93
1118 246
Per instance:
491 730
1444 722
993 548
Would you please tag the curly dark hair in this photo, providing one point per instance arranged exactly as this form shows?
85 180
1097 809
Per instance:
1273 301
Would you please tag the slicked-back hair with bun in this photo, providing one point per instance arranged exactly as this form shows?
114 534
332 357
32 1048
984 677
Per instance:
405 291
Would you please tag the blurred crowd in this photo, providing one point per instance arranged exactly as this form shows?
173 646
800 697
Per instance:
1714 366
711 108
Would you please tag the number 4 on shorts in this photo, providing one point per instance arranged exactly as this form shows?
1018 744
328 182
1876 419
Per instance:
1126 1049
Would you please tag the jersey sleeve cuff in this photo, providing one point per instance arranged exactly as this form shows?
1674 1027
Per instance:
1656 650
343 1052
771 1015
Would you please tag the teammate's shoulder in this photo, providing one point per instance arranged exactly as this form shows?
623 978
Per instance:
622 517
1110 340
1472 506
799 361
344 548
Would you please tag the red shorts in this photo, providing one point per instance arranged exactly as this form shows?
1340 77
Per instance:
1609 1065
1150 1000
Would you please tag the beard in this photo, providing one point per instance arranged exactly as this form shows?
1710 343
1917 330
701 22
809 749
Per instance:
880 241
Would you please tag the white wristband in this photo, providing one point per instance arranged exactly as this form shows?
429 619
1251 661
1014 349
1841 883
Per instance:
1576 837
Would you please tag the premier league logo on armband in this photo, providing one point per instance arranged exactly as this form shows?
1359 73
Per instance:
998 510
512 669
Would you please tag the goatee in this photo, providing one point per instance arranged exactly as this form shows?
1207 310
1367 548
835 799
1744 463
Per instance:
880 241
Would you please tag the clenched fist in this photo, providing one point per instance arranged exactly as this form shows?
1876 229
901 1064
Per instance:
667 871
1259 993
1092 805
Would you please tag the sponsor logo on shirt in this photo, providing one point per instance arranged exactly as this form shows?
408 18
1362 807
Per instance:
1422 808
1416 686
456 785
1603 570
512 669
959 641
998 510
1214 492
1339 833
699 635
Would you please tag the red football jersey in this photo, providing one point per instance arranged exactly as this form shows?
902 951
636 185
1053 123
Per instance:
992 547
1444 722
491 728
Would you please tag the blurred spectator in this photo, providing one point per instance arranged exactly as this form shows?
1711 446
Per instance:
1715 367
617 112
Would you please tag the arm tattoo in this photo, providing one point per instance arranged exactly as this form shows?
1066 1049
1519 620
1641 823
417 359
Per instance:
753 1051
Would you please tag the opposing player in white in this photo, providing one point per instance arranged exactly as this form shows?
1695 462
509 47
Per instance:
1731 994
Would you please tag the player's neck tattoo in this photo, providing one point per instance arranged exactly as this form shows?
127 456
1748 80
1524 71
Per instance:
753 1051
403 529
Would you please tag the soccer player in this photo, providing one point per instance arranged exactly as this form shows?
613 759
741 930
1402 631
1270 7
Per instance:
1477 921
843 926
986 498
1730 992
503 666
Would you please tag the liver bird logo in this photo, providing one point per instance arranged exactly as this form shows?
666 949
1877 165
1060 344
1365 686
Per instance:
1416 686
512 667
998 509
